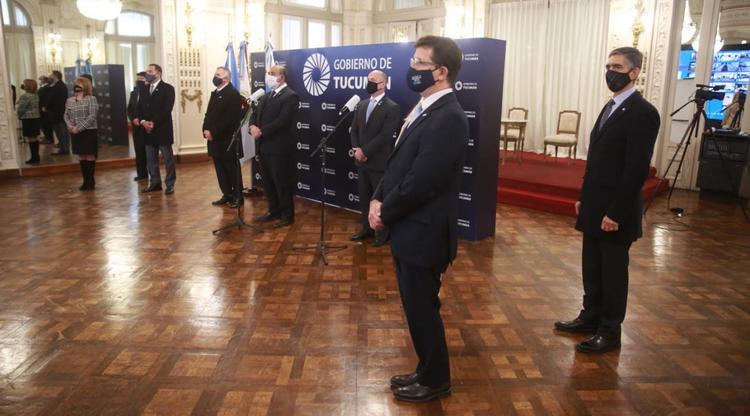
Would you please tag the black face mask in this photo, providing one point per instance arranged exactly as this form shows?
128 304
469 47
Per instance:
217 81
419 81
77 88
372 87
616 81
140 83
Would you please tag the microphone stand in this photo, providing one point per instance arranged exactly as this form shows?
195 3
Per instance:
321 247
236 142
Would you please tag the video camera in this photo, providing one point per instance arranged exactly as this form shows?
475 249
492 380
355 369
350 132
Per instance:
708 92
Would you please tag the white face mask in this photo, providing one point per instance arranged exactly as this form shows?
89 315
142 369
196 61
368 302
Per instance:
271 83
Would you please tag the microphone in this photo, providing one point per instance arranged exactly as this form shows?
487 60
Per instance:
349 106
710 87
254 97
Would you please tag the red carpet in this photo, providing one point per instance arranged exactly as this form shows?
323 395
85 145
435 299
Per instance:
543 183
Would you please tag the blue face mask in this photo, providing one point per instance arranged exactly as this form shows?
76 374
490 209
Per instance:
150 77
419 81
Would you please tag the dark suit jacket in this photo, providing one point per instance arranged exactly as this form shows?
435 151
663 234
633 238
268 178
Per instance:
419 189
43 92
275 117
222 119
617 165
138 131
54 101
157 107
377 135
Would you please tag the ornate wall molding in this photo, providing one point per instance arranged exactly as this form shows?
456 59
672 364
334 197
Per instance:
167 26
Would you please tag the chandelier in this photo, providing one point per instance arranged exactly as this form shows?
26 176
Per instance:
99 9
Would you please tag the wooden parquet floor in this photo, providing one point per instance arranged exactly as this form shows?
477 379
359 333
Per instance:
114 302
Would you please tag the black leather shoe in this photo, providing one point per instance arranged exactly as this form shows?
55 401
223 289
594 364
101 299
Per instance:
169 190
378 243
152 188
418 393
221 201
139 178
267 217
251 193
362 235
577 325
402 380
233 204
598 344
283 223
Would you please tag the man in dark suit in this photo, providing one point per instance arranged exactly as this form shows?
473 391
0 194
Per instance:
610 206
53 109
272 126
374 127
155 116
222 119
43 93
417 200
139 146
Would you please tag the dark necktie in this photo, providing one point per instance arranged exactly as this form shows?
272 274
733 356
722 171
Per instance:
605 113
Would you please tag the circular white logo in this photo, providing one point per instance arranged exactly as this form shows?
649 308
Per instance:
351 197
299 146
255 84
323 127
255 64
351 152
299 185
351 176
257 176
316 74
299 166
299 125
324 106
459 85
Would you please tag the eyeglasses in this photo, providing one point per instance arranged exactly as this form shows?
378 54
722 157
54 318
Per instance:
414 61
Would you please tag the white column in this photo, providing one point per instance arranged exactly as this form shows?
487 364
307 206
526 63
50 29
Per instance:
8 139
166 53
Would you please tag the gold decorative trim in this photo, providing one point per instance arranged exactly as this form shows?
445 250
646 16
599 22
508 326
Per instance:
197 95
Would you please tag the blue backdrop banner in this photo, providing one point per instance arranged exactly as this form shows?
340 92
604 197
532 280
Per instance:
325 78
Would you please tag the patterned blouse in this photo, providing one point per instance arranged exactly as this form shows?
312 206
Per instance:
28 106
81 113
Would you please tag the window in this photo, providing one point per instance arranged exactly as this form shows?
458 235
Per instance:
407 4
291 32
320 4
131 24
6 14
130 42
14 15
335 34
19 42
316 34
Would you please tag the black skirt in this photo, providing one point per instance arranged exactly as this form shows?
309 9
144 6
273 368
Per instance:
85 142
30 126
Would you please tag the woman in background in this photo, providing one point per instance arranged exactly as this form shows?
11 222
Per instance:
27 109
80 117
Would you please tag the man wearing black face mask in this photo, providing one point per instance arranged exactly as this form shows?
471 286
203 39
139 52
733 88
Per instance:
417 200
222 118
610 205
138 144
375 124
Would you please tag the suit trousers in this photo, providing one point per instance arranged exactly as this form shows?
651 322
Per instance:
63 136
48 131
367 181
279 177
152 156
139 146
226 167
605 283
419 287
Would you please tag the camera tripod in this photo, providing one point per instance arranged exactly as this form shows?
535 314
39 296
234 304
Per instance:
692 129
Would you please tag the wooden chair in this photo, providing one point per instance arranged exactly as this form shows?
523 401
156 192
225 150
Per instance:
568 123
514 133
